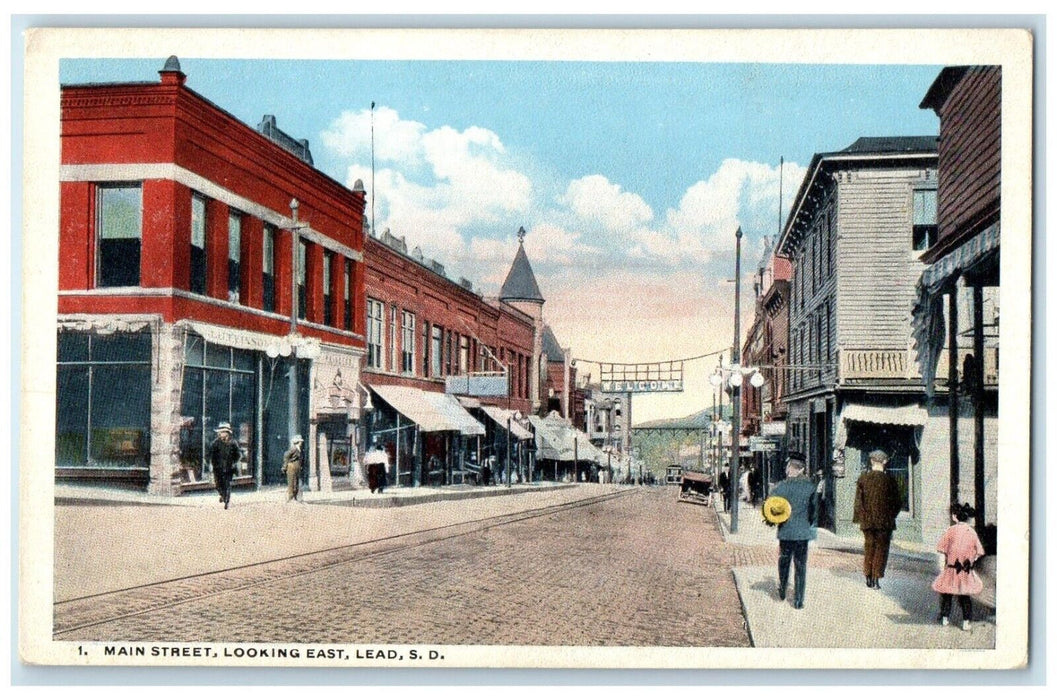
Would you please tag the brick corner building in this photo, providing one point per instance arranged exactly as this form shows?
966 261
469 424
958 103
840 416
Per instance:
208 273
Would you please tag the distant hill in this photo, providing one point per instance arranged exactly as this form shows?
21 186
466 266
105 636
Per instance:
699 419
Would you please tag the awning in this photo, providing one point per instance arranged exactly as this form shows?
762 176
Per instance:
501 416
557 439
911 414
431 411
928 325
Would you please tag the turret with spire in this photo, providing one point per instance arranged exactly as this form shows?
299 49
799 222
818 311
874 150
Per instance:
521 291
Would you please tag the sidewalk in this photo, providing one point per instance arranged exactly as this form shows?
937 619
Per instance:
839 610
85 494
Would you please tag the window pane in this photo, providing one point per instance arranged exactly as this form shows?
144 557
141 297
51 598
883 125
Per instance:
234 255
191 427
194 350
121 347
218 356
243 359
217 406
73 346
119 232
198 245
71 417
269 249
924 207
243 400
120 415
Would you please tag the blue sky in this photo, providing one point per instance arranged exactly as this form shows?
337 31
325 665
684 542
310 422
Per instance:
630 178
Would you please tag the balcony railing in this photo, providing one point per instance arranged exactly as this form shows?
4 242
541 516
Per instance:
859 364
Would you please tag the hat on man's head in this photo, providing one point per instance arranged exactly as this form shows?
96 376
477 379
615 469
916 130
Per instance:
297 438
878 456
797 457
776 510
224 427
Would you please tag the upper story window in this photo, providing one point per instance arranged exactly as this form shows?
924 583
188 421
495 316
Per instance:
375 322
464 354
198 244
328 313
925 227
407 343
302 277
435 351
234 254
120 233
393 326
348 296
268 268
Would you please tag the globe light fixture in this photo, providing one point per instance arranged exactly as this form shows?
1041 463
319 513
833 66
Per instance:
735 378
757 379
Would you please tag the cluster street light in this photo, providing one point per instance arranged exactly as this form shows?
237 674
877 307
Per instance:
732 377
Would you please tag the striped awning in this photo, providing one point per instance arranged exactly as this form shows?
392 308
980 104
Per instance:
430 410
928 325
910 414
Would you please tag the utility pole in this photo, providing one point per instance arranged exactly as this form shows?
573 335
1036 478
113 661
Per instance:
735 393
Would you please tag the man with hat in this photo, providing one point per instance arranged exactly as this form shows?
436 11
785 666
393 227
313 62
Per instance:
793 506
292 466
877 503
224 454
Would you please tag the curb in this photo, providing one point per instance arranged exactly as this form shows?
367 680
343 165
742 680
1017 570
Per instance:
412 499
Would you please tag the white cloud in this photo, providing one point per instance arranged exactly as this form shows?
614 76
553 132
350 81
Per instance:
595 199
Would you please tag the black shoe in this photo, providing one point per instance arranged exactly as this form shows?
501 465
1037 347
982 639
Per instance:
225 505
877 583
798 605
869 581
781 595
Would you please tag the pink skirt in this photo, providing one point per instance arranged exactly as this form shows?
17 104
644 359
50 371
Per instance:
957 582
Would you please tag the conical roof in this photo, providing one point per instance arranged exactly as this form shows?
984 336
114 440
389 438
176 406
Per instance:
520 284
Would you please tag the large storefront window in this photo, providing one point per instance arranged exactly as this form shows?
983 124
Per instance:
120 217
219 385
899 442
103 400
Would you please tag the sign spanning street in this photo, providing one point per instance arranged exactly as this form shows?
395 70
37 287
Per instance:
641 378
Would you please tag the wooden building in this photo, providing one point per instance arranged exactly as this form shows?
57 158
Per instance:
957 303
860 222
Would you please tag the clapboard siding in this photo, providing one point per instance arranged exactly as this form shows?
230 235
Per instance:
970 153
877 270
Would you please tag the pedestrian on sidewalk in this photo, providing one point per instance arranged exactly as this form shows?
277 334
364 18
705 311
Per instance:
877 503
724 488
292 466
377 462
224 455
961 548
797 529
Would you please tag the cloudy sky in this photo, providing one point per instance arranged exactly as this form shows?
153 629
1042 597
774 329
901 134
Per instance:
630 178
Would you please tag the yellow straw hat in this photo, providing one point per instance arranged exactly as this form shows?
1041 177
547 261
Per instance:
776 510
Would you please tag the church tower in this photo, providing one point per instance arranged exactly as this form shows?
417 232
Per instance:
521 291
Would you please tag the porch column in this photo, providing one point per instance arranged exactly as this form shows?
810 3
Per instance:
978 405
952 390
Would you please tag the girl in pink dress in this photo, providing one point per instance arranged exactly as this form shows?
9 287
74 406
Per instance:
962 549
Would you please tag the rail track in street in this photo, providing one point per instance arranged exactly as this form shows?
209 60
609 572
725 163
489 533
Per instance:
76 614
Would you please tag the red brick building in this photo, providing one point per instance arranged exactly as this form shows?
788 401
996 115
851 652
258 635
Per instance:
208 273
447 368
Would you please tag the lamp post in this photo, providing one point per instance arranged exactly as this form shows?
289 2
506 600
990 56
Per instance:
735 456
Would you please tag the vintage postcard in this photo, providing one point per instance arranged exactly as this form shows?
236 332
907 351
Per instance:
526 348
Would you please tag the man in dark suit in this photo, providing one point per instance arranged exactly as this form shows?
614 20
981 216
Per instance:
877 503
802 526
224 455
724 489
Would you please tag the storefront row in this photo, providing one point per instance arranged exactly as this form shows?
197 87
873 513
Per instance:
139 400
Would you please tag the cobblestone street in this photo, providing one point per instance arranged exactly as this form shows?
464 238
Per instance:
637 569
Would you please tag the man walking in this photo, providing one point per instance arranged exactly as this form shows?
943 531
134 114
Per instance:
799 527
224 455
377 462
292 466
724 489
877 503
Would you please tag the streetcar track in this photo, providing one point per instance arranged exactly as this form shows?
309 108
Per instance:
84 609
